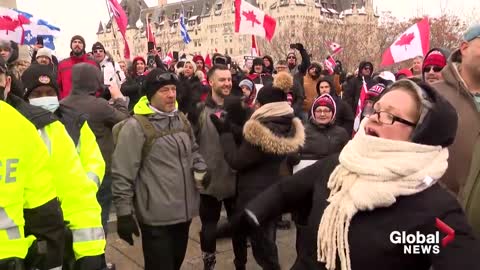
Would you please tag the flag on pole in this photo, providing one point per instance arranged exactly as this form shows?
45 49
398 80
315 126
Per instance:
330 64
254 51
360 105
149 34
183 29
413 42
334 47
251 20
208 61
122 21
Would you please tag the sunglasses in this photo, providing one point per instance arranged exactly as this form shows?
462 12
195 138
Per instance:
291 57
166 76
367 68
429 68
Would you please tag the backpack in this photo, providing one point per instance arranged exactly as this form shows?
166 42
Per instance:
151 133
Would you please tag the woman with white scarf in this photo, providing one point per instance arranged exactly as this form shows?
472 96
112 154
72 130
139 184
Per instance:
381 186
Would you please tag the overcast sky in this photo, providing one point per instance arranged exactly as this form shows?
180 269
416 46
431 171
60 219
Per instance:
82 17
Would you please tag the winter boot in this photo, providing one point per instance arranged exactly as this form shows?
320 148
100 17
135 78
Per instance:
209 261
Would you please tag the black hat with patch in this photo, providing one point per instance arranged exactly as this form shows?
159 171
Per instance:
38 75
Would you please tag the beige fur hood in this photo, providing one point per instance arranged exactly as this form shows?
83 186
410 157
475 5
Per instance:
258 134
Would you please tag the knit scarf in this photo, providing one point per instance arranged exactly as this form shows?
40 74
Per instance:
372 173
273 109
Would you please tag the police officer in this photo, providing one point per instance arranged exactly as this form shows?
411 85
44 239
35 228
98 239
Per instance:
29 210
41 90
76 192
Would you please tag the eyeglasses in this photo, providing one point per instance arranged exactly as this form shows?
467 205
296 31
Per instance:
98 51
291 57
324 111
429 68
388 118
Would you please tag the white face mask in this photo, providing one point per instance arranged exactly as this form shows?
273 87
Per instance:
48 103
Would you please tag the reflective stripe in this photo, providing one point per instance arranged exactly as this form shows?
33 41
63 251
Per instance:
56 268
94 178
78 146
8 225
45 139
88 234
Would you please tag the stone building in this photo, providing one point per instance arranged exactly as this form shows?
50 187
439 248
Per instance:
210 23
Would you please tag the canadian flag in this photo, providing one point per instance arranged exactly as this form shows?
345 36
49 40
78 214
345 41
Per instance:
150 36
255 51
122 20
411 43
361 104
11 25
334 47
330 64
208 61
253 21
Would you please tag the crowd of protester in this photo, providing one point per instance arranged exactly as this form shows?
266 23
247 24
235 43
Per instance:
167 142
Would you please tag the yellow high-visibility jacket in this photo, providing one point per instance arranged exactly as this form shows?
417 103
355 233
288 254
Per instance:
77 193
90 155
26 187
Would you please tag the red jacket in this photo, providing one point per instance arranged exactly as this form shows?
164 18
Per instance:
64 76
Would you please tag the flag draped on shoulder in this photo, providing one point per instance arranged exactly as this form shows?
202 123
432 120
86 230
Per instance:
361 104
413 42
251 20
183 29
122 21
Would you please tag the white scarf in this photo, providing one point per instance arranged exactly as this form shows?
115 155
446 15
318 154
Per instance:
272 109
372 173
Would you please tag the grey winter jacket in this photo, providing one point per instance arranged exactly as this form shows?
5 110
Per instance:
102 115
223 177
160 189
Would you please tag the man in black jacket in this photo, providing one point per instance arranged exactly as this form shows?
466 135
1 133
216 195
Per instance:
351 93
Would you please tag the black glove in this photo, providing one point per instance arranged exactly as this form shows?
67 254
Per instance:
126 226
221 124
91 263
299 46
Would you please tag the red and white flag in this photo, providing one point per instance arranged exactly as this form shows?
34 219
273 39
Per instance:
251 20
11 25
122 21
330 64
334 47
360 105
411 43
208 61
255 51
150 36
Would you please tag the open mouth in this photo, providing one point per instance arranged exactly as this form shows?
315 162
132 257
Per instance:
371 132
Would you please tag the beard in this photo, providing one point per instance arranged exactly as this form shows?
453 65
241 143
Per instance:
77 51
219 92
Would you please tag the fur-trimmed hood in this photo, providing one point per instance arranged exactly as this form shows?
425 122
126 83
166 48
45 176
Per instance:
258 134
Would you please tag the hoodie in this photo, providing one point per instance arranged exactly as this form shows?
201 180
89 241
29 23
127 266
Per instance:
351 93
64 76
102 115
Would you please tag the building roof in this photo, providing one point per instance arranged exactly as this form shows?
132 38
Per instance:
100 28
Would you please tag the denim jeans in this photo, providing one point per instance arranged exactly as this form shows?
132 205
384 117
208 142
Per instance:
104 197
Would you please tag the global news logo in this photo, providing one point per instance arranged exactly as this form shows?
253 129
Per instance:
418 243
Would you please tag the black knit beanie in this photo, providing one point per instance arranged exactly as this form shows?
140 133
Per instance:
270 94
157 78
97 46
438 124
38 75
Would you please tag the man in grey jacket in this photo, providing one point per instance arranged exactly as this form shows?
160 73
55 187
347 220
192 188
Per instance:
102 116
222 184
154 178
